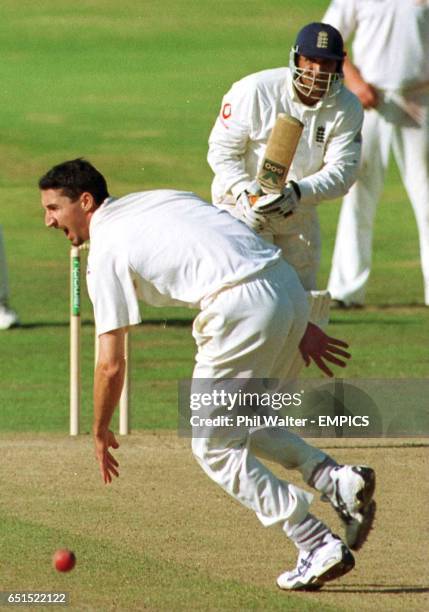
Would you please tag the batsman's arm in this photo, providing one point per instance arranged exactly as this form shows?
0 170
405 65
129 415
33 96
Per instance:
341 157
108 382
230 136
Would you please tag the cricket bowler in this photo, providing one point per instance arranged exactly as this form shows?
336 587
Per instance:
168 246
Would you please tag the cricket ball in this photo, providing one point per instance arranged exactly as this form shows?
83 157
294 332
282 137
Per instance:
64 560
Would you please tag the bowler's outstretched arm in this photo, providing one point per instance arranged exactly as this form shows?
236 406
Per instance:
108 382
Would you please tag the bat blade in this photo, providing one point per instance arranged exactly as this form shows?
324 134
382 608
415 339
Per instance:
281 146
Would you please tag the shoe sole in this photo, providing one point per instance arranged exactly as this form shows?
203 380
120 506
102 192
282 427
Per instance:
336 570
342 567
368 509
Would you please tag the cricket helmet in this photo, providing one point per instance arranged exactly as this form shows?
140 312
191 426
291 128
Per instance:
318 40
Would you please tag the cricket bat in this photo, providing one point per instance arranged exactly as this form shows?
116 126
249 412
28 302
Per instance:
281 146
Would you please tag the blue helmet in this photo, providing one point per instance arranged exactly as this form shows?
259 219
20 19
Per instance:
320 40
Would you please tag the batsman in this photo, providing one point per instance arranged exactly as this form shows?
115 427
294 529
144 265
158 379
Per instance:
325 163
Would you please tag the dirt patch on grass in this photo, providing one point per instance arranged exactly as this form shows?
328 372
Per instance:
164 504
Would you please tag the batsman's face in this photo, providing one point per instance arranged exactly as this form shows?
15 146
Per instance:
316 74
65 214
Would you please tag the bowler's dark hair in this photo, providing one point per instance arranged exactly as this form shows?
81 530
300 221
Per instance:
74 177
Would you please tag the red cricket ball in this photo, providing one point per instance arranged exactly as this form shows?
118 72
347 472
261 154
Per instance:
64 560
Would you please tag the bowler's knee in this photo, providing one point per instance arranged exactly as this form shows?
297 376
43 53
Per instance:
217 455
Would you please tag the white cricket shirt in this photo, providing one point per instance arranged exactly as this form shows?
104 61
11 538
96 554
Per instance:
391 44
327 158
167 248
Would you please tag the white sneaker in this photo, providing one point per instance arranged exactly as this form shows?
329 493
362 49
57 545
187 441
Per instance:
354 487
8 317
329 560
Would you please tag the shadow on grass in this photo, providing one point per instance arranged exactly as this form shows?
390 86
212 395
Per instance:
376 321
375 588
377 307
89 323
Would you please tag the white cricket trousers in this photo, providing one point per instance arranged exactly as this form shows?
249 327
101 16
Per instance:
385 128
298 236
252 330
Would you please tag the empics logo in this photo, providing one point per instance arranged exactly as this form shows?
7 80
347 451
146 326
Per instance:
322 40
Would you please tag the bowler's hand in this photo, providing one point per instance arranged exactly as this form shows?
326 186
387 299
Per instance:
318 347
108 464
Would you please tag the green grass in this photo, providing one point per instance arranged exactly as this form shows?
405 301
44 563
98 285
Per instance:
135 549
131 580
164 537
135 87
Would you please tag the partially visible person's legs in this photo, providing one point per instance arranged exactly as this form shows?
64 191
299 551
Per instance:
251 331
299 238
351 262
8 317
411 149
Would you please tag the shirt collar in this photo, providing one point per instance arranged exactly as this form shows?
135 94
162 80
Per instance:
108 200
96 214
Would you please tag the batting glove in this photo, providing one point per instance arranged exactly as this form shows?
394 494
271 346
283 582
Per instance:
281 206
247 214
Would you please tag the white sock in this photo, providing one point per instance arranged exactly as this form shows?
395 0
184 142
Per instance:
321 477
307 534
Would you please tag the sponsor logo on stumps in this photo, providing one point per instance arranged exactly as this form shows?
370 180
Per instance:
76 287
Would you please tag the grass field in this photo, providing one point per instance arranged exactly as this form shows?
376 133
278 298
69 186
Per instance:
135 87
149 544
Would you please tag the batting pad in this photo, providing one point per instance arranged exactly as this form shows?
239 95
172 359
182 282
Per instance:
320 304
